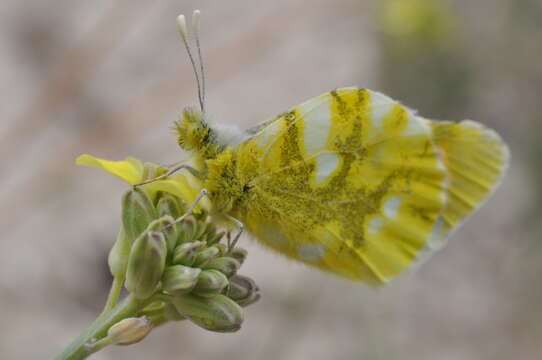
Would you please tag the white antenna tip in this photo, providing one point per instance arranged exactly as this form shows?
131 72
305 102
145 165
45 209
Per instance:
195 22
181 23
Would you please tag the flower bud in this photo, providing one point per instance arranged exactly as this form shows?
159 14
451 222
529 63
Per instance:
137 212
243 290
208 227
209 234
185 254
118 255
226 265
171 313
239 254
180 279
189 229
206 255
170 205
171 232
217 313
210 282
129 331
146 264
202 226
222 249
215 238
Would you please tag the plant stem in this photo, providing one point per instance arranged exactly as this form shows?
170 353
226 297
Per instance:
79 348
99 345
114 293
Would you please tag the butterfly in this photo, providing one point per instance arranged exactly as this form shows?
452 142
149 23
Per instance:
350 182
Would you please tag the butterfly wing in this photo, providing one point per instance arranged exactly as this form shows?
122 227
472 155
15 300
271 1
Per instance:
475 159
350 182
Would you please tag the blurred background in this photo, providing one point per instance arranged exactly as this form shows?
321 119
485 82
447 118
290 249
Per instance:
109 78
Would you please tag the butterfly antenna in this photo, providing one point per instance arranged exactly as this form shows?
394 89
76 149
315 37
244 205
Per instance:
181 22
195 31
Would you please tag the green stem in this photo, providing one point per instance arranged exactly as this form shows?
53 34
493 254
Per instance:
99 345
114 293
80 349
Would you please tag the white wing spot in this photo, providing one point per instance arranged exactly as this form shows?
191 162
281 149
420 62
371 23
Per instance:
311 252
325 165
438 235
435 242
317 117
391 207
268 134
415 126
375 225
381 105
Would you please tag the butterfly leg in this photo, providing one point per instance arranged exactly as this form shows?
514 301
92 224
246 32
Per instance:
241 227
169 173
180 219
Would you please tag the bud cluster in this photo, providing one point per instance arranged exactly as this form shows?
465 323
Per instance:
183 268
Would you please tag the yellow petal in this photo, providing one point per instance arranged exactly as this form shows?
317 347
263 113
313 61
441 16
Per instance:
129 169
179 189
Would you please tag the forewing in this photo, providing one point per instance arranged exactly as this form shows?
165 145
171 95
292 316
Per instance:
349 181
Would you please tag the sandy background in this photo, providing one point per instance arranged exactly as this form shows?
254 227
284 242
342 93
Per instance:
109 78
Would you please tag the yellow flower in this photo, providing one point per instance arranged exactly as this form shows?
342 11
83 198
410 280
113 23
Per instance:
133 171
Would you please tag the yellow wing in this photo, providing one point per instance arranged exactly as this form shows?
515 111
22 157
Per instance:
476 159
354 183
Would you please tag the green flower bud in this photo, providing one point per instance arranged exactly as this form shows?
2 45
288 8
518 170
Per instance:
129 331
118 255
226 265
239 254
203 225
171 313
217 313
164 225
180 279
185 254
208 227
170 205
206 255
146 264
189 230
210 234
137 212
210 282
243 290
222 248
214 238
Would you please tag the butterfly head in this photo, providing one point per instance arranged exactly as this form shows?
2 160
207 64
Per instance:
193 133
193 130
